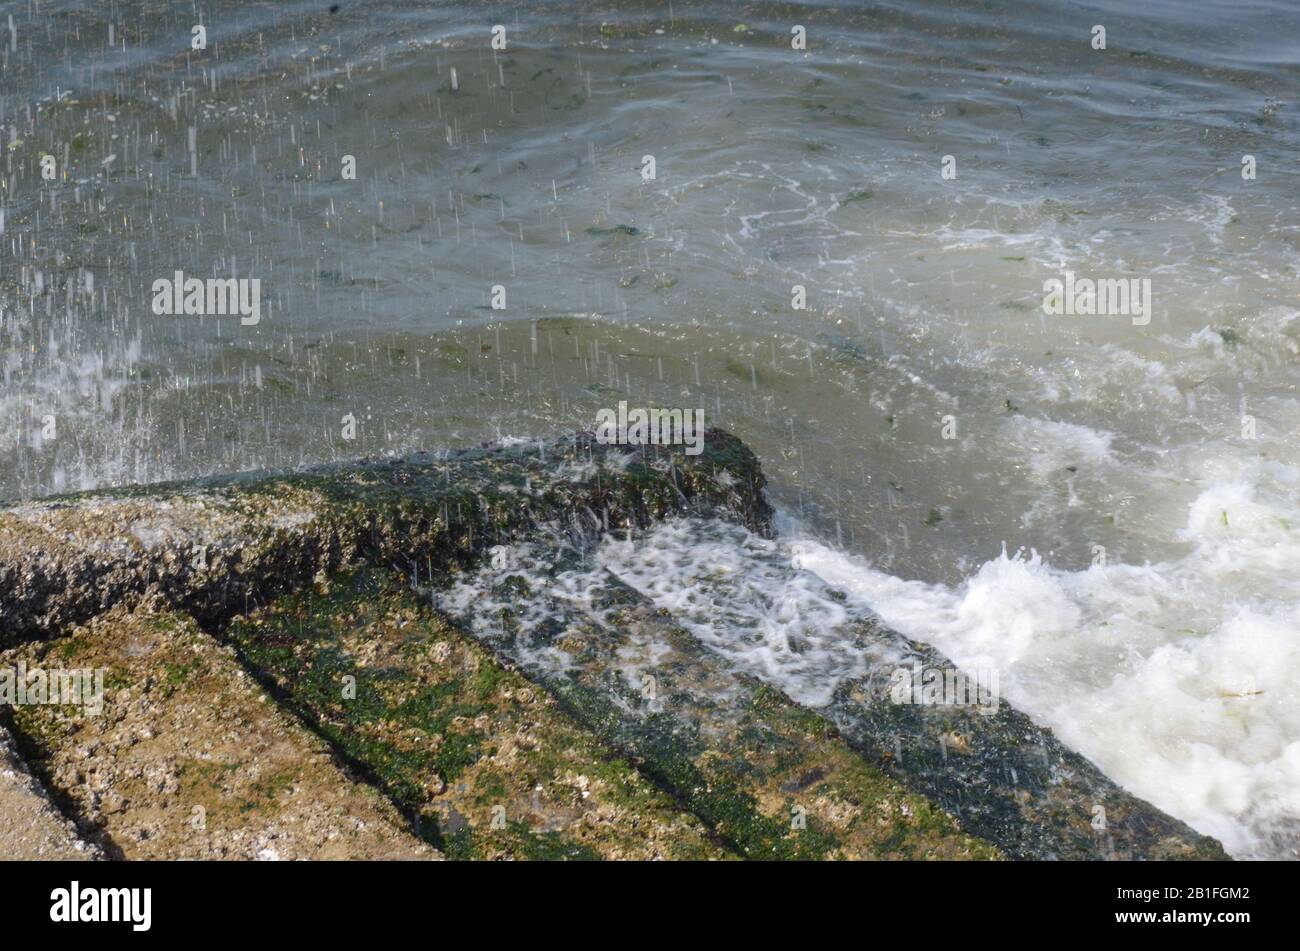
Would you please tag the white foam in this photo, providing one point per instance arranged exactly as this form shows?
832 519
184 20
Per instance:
735 591
1177 678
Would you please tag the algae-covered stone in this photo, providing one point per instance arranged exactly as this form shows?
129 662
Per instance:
485 761
773 780
183 756
215 547
1004 776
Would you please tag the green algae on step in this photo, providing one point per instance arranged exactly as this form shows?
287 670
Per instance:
190 759
1004 776
485 762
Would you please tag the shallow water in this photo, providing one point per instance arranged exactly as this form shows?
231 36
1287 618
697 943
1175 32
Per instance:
1154 627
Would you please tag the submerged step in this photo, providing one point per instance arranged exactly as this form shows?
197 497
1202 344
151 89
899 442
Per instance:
773 779
1002 774
31 826
183 756
486 761
944 732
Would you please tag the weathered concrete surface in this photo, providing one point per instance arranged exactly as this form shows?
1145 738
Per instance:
31 826
217 547
485 761
189 759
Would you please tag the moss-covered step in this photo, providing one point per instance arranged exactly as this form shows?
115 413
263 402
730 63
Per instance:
216 547
1002 774
772 779
486 763
31 826
184 756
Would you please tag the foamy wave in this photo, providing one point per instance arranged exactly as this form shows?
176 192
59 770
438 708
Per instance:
1175 678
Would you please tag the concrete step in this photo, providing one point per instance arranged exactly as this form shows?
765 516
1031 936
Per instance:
660 746
184 756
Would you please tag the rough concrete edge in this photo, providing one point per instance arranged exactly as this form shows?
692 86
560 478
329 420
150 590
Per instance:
276 531
11 762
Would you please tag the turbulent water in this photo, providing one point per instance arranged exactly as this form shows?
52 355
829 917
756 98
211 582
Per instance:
1115 522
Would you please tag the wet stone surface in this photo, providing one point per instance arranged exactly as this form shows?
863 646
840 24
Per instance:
1002 775
217 547
772 779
